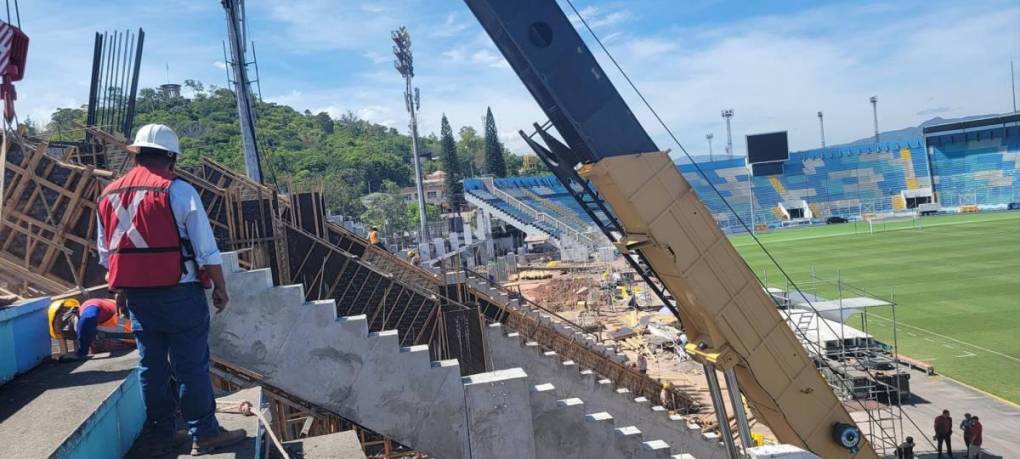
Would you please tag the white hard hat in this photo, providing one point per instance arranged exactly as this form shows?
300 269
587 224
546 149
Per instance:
156 136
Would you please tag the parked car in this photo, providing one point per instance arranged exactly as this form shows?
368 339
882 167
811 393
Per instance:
833 220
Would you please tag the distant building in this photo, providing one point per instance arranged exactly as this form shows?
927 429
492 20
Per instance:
170 90
434 186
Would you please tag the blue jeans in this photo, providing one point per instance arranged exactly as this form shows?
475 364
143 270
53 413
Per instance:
87 323
171 327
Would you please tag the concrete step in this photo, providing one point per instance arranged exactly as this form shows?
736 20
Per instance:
598 393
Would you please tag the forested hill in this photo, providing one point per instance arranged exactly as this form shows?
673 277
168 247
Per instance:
349 156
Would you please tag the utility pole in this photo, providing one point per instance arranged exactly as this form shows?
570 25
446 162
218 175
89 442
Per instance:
404 64
1012 83
727 114
709 138
874 111
236 34
821 126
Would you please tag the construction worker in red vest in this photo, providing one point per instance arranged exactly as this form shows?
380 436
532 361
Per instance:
155 240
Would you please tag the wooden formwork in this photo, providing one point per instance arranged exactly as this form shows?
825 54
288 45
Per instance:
47 234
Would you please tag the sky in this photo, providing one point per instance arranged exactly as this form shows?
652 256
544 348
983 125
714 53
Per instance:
776 64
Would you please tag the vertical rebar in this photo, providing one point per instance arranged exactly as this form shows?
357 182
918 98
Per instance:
720 410
129 120
737 403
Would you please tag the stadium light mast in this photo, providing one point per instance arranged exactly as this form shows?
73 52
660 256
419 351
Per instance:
874 111
404 64
821 127
1012 83
709 138
727 114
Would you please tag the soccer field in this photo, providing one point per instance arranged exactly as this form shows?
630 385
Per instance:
955 279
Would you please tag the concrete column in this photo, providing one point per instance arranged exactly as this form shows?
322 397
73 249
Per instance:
499 415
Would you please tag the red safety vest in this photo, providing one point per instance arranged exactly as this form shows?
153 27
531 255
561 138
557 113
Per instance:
140 230
110 324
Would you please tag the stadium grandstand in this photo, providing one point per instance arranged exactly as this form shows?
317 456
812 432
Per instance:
966 166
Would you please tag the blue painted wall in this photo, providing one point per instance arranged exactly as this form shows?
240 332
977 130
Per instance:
24 337
111 430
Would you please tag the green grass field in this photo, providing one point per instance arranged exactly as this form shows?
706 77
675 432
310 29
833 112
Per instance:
955 279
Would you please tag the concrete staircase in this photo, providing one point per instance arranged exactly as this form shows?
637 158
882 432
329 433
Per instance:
334 362
567 379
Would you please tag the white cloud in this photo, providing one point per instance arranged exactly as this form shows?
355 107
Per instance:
220 65
599 17
777 72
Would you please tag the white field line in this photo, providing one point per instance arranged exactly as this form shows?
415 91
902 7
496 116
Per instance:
923 226
983 349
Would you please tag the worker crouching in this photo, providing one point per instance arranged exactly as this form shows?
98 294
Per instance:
96 323
155 240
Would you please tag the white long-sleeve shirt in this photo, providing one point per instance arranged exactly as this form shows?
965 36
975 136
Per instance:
192 224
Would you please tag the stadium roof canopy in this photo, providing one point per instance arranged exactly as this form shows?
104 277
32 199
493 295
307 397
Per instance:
978 124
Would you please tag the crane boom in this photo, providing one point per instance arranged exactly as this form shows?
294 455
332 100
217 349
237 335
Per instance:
730 321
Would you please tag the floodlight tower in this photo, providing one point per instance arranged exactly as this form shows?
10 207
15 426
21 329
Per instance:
404 64
821 127
709 138
727 114
874 111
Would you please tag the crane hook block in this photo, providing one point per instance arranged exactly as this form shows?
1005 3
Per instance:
13 55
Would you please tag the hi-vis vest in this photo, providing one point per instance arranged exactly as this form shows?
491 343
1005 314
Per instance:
140 231
115 326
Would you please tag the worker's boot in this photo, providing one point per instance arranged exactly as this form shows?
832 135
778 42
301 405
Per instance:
222 438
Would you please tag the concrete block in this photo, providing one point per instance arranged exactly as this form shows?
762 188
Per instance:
385 340
499 414
231 263
654 449
416 357
355 325
251 282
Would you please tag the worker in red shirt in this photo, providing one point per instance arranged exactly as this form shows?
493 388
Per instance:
974 449
943 432
95 318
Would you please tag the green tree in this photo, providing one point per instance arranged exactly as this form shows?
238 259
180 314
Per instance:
325 123
63 122
470 151
411 216
454 193
513 162
495 164
387 211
